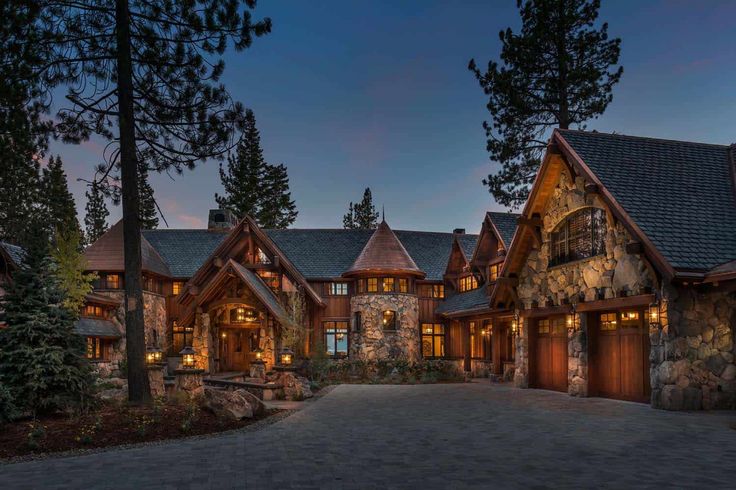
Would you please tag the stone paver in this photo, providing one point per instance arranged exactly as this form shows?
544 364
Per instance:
429 436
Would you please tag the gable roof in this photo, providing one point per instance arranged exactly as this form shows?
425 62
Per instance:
14 253
467 244
384 252
327 253
106 254
505 224
680 194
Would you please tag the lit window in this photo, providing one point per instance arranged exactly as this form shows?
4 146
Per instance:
582 234
336 338
372 284
96 349
403 285
543 326
388 284
438 291
389 320
608 321
630 319
181 337
177 287
337 289
91 310
112 281
261 257
433 340
243 315
492 273
468 283
272 279
559 326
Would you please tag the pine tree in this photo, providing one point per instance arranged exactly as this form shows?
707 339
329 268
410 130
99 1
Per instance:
57 202
348 220
19 192
246 168
366 216
147 213
557 72
41 357
95 220
277 209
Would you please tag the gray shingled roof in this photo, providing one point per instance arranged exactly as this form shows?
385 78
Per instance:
263 292
15 252
95 327
327 253
184 251
471 300
506 224
680 194
467 243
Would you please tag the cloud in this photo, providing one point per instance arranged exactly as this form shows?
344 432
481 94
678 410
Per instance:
189 221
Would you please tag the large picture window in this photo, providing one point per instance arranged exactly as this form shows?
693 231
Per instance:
581 235
336 338
433 340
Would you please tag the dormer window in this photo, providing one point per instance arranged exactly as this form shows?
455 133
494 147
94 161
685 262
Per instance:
467 283
493 272
579 236
93 311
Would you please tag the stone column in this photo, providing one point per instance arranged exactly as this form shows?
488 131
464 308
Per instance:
156 380
189 381
258 370
521 374
577 357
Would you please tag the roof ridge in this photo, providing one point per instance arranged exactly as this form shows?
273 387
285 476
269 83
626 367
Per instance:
646 138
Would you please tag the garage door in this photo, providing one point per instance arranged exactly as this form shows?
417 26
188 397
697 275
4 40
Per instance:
550 354
620 356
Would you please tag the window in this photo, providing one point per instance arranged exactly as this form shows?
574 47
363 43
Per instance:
559 326
433 340
177 287
480 340
272 279
242 314
467 283
96 349
112 281
336 338
438 291
361 286
357 322
543 326
389 320
403 285
492 273
630 319
152 284
372 284
388 284
181 337
581 235
432 291
608 321
337 289
92 310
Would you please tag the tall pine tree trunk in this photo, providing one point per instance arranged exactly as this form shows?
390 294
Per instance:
138 389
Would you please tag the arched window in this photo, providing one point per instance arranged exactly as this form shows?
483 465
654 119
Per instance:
580 235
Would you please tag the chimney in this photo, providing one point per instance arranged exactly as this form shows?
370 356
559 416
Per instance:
458 231
221 220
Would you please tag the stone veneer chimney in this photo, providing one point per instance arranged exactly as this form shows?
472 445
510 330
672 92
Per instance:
221 220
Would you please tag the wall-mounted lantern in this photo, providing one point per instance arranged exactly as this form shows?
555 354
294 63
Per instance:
154 355
286 357
655 313
572 317
259 355
515 323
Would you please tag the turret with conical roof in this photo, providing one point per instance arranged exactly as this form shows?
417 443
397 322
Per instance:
384 254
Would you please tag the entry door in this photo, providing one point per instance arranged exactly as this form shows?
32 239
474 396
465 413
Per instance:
502 350
620 356
234 350
550 354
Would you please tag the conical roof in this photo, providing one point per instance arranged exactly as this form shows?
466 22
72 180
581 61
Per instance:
384 253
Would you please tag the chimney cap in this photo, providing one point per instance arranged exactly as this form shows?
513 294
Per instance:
221 220
459 231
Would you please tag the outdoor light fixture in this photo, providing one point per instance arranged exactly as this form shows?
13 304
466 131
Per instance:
515 322
154 355
259 354
655 314
572 318
244 315
223 335
286 357
187 357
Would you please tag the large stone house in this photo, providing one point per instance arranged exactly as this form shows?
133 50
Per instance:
618 279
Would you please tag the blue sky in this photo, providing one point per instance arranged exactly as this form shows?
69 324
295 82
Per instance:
377 94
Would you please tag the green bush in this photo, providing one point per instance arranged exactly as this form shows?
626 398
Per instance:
8 410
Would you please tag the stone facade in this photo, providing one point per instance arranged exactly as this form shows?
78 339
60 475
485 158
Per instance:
607 275
692 354
371 342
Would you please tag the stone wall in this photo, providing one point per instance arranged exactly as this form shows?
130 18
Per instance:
607 274
371 342
692 354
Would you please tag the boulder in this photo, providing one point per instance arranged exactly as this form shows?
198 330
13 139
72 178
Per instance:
295 387
255 403
227 404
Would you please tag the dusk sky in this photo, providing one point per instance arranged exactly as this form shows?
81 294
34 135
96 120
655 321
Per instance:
377 94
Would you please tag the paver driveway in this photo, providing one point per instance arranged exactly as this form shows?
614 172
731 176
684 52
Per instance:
432 436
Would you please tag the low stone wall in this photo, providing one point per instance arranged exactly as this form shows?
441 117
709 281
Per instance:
371 342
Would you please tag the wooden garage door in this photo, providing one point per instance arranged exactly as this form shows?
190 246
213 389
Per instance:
550 354
619 361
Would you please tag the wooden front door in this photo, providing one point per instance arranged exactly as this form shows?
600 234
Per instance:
234 351
619 356
549 357
502 345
